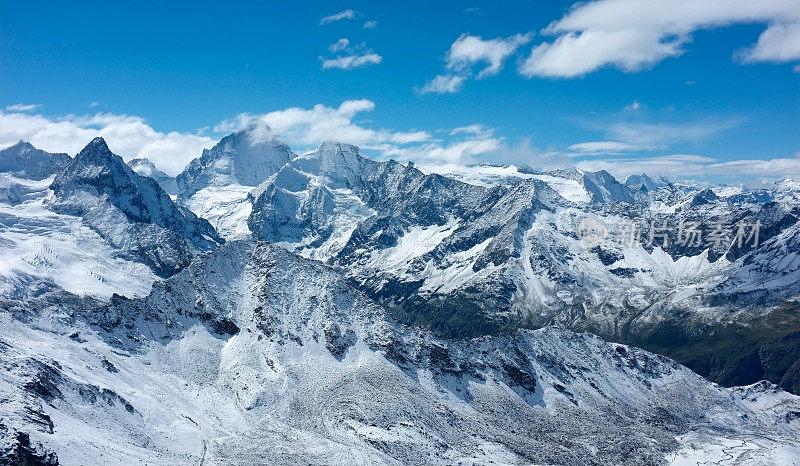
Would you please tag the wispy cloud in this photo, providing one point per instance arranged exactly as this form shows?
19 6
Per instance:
348 62
688 165
607 148
632 35
344 14
370 24
339 45
23 107
444 84
351 57
659 134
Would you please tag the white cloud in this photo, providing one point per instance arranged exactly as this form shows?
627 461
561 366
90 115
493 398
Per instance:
348 62
127 136
476 129
468 50
644 134
444 84
453 152
345 14
606 147
22 107
635 34
370 24
304 129
779 43
686 165
635 105
309 127
94 104
354 56
339 45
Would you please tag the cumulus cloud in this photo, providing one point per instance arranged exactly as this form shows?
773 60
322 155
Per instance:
304 129
635 34
309 127
22 107
779 43
370 24
127 136
453 152
444 84
468 50
344 14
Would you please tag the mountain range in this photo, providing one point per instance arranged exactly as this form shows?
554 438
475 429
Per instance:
329 307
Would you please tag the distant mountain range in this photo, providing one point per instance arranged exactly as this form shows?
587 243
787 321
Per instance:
265 306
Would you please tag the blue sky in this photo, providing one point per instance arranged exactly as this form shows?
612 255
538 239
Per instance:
680 88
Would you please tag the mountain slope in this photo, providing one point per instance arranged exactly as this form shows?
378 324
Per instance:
470 260
130 211
291 364
215 186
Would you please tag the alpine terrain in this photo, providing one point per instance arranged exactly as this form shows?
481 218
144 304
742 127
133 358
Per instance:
267 307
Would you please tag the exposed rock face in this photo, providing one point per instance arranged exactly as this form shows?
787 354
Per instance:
131 211
471 260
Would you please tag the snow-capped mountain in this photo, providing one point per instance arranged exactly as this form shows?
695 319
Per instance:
638 182
252 354
246 157
25 161
215 186
470 260
130 211
145 167
95 228
399 315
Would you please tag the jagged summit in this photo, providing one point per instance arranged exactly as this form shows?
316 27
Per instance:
130 210
26 161
246 157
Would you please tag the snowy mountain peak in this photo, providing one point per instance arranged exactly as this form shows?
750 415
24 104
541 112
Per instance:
637 182
604 187
145 167
246 157
130 211
341 163
26 161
